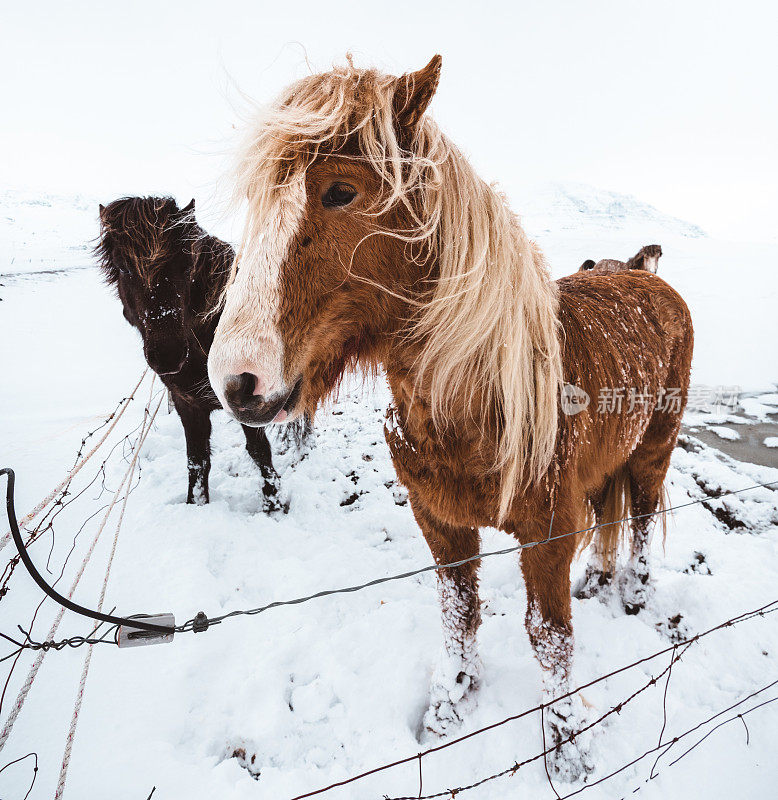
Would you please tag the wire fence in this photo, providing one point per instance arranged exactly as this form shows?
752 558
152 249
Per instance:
202 622
662 749
24 691
57 500
61 497
677 650
62 487
189 625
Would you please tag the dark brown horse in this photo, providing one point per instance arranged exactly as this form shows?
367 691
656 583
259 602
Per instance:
647 258
168 274
371 241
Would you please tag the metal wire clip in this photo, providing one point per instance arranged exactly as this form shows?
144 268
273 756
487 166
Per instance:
129 636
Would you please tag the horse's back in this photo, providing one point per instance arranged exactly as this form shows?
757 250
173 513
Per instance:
616 311
627 342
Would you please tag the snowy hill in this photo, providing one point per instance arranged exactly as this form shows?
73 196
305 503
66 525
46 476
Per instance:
580 207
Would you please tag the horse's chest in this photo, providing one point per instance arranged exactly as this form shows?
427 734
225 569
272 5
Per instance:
442 473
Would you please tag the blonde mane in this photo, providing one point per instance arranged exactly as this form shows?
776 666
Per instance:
490 332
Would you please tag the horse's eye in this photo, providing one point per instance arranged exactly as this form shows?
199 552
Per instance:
338 195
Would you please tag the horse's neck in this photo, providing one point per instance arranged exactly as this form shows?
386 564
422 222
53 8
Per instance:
412 398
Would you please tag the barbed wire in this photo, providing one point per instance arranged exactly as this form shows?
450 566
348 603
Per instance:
664 747
79 462
762 611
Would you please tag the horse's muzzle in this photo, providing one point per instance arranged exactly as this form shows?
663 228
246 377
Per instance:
166 359
254 409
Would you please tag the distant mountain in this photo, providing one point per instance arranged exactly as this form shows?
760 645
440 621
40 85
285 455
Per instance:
558 207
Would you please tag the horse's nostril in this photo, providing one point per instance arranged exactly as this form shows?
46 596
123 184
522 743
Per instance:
246 397
248 383
166 358
239 389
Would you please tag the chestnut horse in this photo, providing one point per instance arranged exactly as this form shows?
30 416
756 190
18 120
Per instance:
370 241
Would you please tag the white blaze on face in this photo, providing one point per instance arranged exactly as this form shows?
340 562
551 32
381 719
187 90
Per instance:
247 337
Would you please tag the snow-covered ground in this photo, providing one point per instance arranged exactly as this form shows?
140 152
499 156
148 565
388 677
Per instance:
41 232
276 705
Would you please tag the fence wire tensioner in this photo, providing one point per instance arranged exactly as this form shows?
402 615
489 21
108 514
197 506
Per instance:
134 631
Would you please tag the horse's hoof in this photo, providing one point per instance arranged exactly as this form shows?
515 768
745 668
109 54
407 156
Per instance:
569 763
595 583
452 695
635 591
570 760
270 497
442 718
273 505
447 709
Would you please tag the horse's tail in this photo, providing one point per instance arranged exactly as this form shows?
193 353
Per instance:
612 514
613 508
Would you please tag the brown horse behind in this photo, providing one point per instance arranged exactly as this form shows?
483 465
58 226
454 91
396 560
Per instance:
647 258
371 241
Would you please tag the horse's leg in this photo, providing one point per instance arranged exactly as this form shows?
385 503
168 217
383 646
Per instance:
599 573
197 430
546 571
647 467
258 447
457 672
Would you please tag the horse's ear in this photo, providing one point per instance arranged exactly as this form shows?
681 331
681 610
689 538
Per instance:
102 212
412 96
189 208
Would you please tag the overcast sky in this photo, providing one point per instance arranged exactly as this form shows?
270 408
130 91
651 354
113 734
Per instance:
674 102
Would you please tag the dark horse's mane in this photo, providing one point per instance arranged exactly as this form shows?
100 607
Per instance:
149 231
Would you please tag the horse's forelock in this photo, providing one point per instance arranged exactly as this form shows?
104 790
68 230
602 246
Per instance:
318 115
147 231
